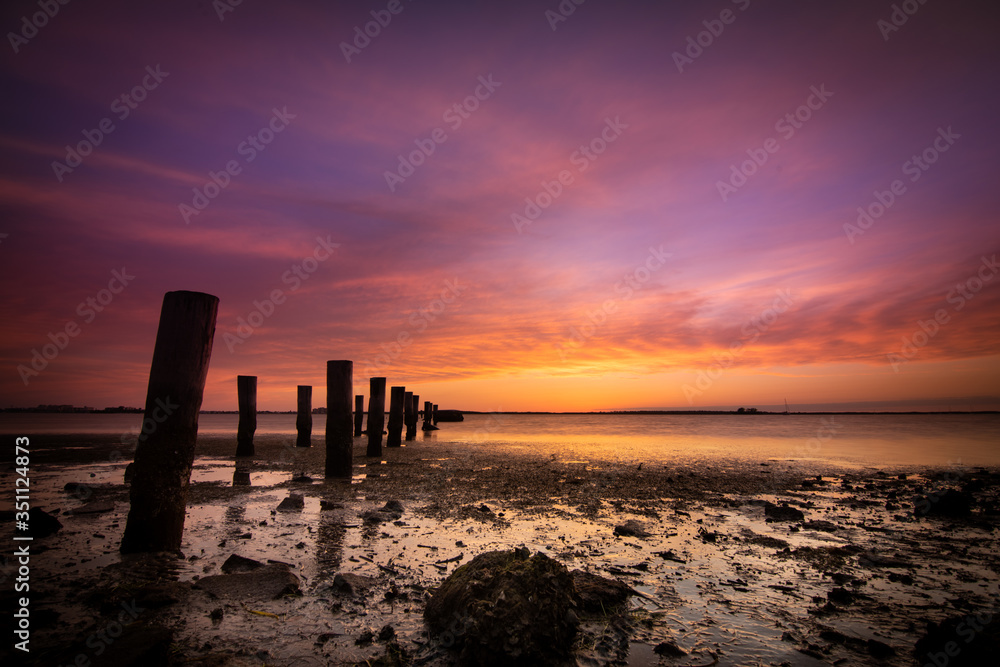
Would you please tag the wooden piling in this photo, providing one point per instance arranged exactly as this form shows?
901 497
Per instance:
339 438
428 412
304 418
246 387
165 449
376 416
434 414
359 414
408 419
395 435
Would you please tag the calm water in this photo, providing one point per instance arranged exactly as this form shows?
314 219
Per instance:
933 440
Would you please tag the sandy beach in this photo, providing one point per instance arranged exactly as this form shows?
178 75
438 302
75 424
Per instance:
776 563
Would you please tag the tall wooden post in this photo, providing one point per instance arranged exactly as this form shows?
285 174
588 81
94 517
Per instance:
376 416
304 418
395 436
428 412
339 440
359 414
408 415
165 449
246 387
434 414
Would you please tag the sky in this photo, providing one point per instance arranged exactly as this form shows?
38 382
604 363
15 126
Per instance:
507 205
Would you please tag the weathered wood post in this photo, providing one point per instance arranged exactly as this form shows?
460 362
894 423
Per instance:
395 436
246 387
408 415
359 414
304 418
428 412
165 449
434 414
339 440
376 416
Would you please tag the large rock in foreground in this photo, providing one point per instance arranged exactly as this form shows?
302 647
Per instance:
506 608
263 583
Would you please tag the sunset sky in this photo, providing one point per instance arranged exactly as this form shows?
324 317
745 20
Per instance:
657 245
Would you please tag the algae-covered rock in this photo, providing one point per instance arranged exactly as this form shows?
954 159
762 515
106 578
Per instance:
506 608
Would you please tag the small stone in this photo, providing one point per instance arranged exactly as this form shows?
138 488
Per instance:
669 649
293 503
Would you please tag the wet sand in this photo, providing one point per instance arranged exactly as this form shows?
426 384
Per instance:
854 580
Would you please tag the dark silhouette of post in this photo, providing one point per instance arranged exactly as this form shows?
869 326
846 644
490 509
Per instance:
395 435
408 415
359 414
304 418
339 439
165 449
434 414
428 412
376 416
246 387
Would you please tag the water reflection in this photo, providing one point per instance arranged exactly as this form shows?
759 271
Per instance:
241 474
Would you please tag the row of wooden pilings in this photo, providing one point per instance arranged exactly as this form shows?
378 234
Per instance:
165 448
404 410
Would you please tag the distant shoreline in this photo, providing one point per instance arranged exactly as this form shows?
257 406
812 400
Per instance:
320 411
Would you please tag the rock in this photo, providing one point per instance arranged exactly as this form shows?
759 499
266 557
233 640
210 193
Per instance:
670 650
977 637
352 584
880 650
264 583
293 503
450 416
824 526
840 596
367 637
600 594
240 564
129 472
506 608
40 524
782 512
951 503
302 479
391 511
878 560
631 528
386 633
